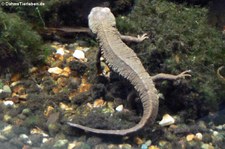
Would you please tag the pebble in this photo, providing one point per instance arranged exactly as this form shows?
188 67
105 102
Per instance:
7 89
55 70
5 92
119 108
60 51
3 138
206 146
79 54
144 146
198 136
167 120
61 144
26 111
25 139
138 140
8 103
190 137
7 117
148 142
125 146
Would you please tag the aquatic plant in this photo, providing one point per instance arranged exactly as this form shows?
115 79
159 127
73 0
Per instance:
180 39
19 44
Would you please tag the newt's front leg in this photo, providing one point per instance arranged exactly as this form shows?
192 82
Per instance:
182 75
134 39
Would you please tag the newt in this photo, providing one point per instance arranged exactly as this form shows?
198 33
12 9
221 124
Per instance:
123 60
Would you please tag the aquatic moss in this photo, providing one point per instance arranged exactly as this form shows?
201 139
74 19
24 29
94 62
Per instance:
19 44
180 39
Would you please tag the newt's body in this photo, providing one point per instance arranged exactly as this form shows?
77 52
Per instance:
124 61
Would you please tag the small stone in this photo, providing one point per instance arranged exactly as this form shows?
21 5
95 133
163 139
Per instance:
61 144
38 131
148 142
26 111
79 54
60 51
198 136
119 108
167 120
7 89
8 103
55 70
215 133
7 118
48 111
3 138
144 146
206 146
53 118
44 140
25 139
138 140
125 146
98 103
65 107
190 137
153 147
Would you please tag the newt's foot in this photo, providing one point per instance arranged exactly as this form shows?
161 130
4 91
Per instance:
184 74
142 37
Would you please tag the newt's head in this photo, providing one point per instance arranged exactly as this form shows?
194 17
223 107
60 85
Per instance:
98 16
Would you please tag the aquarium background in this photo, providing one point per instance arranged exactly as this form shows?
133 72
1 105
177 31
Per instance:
48 74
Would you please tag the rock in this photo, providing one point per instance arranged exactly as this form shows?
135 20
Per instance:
148 142
36 139
7 89
25 139
5 92
55 70
53 118
99 103
198 136
125 146
94 141
119 108
138 141
26 111
60 51
79 54
206 146
79 145
8 103
61 144
167 120
7 117
144 146
190 137
3 138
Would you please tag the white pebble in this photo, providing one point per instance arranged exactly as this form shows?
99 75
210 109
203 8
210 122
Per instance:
119 108
215 133
167 120
198 136
44 140
8 103
79 54
55 70
60 51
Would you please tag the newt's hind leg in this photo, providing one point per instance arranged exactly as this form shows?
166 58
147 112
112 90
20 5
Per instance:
98 62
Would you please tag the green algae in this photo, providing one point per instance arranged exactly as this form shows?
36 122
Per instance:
179 39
